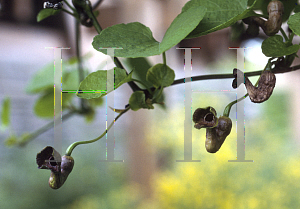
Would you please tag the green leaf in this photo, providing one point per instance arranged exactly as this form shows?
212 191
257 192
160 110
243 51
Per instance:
136 39
44 13
42 80
5 114
160 75
220 14
96 81
275 47
297 9
44 106
11 140
140 66
181 26
137 101
293 23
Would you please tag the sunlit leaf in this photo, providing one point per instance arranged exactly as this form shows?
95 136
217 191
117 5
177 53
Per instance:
275 47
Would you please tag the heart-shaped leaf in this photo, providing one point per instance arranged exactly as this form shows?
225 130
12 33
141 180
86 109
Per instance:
275 47
160 75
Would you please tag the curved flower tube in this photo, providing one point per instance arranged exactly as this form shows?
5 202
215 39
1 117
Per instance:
217 129
60 167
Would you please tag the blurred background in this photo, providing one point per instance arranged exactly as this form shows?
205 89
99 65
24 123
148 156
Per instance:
149 141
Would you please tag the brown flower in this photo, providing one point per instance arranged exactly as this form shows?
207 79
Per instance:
60 167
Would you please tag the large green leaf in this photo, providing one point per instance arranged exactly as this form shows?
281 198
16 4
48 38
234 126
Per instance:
44 13
181 26
220 14
136 39
97 82
275 47
160 75
293 23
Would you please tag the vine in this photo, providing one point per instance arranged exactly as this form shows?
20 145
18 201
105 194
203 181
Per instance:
196 19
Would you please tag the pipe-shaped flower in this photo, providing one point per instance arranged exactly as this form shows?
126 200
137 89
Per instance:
60 167
205 118
217 129
264 89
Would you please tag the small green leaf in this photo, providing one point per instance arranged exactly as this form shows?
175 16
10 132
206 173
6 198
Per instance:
5 113
293 23
44 13
14 140
96 81
220 14
275 47
160 75
137 101
11 140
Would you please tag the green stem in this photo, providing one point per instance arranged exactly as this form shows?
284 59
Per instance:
69 5
45 128
228 107
83 102
117 62
230 75
164 58
75 144
68 12
284 34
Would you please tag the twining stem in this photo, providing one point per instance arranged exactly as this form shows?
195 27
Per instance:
72 146
45 128
72 8
228 107
230 75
